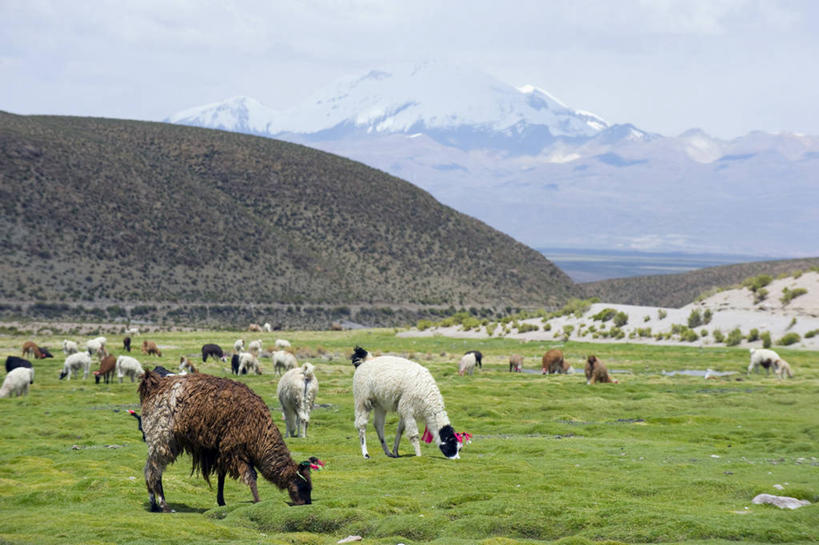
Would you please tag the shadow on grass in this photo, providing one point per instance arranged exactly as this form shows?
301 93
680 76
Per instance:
177 508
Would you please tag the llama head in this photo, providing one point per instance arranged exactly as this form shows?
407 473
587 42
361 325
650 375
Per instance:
359 356
63 374
96 377
301 487
449 445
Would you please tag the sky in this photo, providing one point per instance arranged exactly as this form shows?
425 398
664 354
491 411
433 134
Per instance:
725 66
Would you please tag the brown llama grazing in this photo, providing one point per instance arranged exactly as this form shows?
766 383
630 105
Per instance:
32 350
224 426
597 372
515 363
149 347
107 366
254 327
553 362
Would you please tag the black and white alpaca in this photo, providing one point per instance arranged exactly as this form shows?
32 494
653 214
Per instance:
390 383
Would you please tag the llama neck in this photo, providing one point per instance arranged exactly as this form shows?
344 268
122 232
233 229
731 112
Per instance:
273 461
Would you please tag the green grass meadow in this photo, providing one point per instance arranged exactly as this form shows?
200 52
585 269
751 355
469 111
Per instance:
654 459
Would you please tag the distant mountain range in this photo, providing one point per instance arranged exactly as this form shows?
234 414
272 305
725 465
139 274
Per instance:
550 175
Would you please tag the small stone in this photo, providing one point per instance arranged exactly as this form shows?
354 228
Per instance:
75 447
349 539
783 502
779 487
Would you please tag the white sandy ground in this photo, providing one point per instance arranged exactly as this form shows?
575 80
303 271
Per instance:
731 308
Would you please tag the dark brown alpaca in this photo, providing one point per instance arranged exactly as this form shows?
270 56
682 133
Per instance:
224 426
553 362
596 371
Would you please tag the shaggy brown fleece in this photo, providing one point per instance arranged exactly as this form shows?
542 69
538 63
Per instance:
596 371
553 362
224 426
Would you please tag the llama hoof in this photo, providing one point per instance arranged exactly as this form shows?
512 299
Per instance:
366 456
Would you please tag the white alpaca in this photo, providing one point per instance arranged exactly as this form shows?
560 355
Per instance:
239 345
70 347
467 364
283 361
297 392
390 383
267 327
248 363
75 362
763 357
281 343
255 347
126 365
17 381
97 347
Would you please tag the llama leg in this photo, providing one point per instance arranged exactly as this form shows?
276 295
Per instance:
411 428
378 422
220 489
398 433
361 418
153 480
248 474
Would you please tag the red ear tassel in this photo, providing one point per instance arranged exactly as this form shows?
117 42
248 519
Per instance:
464 438
427 437
131 411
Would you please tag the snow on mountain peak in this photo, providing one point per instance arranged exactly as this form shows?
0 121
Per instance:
454 103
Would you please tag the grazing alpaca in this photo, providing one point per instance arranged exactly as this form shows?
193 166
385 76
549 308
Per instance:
70 347
515 363
75 362
32 350
224 426
126 365
108 365
297 391
149 347
467 364
247 363
17 381
256 328
389 383
214 351
478 357
765 358
782 369
553 362
13 362
126 344
283 361
597 372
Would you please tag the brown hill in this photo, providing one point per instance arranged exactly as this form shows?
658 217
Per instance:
109 212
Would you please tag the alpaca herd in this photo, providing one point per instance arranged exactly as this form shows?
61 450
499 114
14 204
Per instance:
227 429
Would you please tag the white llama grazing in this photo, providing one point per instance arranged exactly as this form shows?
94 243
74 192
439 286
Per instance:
17 381
390 383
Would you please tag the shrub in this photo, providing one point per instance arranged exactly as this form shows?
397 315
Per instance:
718 336
760 295
620 319
755 283
734 337
644 331
524 328
424 324
789 338
812 333
661 314
547 326
793 323
789 295
706 316
567 330
605 315
704 333
766 339
689 335
753 335
694 319
646 318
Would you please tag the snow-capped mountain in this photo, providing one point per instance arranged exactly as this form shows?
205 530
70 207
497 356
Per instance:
454 105
550 175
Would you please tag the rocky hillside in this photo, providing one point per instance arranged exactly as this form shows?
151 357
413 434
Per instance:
111 212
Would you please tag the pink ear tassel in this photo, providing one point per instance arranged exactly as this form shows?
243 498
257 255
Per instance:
464 438
427 437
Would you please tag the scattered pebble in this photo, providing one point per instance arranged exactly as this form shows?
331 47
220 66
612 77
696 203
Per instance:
75 447
715 456
349 539
779 487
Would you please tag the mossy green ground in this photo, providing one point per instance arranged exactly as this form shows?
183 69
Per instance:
654 459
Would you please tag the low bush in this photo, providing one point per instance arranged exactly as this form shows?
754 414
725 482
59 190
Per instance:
766 339
734 337
789 339
789 295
